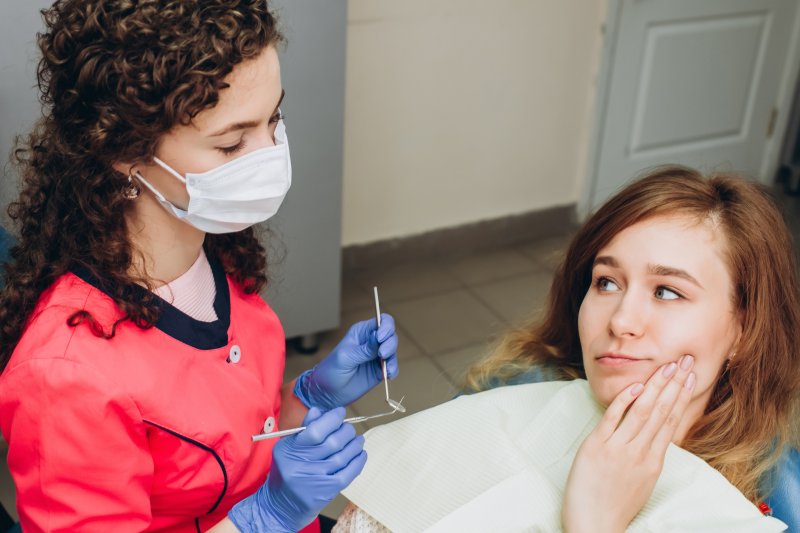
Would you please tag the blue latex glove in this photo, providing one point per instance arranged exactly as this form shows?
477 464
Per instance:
308 470
353 368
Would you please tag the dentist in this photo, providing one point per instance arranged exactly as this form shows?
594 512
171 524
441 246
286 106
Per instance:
137 358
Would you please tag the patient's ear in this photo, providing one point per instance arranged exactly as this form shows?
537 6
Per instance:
739 332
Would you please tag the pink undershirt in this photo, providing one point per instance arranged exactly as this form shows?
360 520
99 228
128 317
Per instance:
193 292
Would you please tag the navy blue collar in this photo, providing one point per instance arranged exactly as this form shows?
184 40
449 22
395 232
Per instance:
176 323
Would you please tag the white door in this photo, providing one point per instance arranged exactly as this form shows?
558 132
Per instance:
694 82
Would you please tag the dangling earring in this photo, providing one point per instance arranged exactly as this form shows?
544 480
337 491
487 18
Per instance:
131 191
728 362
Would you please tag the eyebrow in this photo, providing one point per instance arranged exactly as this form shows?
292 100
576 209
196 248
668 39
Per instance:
248 124
655 270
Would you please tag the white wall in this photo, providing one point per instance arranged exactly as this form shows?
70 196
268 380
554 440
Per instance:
464 110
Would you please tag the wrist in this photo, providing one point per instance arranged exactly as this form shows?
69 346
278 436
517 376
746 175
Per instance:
308 390
591 524
301 389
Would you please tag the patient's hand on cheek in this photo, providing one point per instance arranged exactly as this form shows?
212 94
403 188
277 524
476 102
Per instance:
617 466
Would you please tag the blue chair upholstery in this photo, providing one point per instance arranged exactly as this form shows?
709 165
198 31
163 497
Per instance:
6 242
785 497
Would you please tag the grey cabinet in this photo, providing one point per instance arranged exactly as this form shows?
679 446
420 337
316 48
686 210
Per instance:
305 284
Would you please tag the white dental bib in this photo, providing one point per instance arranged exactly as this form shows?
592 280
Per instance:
499 460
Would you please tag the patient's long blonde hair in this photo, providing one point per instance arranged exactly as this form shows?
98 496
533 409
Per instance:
747 421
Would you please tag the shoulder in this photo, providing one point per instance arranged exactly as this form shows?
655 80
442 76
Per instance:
42 394
47 332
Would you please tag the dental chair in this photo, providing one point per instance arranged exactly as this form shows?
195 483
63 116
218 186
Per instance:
6 242
785 497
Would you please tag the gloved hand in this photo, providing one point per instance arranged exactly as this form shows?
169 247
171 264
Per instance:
353 367
308 470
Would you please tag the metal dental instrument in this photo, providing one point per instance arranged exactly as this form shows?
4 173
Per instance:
293 431
397 406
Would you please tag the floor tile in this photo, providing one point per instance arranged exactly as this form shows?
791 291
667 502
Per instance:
515 299
456 363
407 348
447 321
296 364
407 281
335 508
354 296
420 381
490 266
547 252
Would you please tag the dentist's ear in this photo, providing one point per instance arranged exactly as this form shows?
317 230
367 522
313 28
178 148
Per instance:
125 168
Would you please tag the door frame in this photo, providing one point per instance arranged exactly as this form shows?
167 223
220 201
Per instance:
789 84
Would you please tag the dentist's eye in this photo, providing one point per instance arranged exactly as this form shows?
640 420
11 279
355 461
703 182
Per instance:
274 119
606 285
663 293
230 150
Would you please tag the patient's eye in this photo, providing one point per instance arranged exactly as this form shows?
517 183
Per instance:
606 284
664 293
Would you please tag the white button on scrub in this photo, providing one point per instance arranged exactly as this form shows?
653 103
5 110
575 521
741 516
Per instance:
269 425
235 354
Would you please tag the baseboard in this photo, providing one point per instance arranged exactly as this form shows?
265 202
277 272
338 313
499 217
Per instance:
462 240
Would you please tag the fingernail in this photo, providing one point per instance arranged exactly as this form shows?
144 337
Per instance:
637 389
669 370
686 362
690 381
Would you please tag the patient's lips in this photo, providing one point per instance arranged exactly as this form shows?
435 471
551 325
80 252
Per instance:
618 359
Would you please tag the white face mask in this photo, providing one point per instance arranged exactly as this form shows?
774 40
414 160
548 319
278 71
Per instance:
238 194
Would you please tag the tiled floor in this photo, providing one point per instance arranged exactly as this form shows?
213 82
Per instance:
447 314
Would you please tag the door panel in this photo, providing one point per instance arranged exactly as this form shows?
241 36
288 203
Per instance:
692 82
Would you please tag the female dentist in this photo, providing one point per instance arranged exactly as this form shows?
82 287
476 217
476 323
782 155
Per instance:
137 357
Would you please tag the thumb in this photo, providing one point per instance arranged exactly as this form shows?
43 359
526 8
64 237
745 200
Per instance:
363 331
364 335
313 414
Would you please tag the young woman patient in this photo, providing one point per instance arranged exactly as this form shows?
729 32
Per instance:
669 351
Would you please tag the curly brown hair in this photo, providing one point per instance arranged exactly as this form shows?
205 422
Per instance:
114 76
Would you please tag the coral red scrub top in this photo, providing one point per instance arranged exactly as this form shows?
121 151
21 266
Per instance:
149 430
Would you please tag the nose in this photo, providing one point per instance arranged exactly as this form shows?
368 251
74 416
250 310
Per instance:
629 318
265 137
269 138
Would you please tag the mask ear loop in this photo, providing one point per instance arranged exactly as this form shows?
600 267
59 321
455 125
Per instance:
169 169
153 189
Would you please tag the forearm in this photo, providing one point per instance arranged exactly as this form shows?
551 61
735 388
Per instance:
292 409
224 526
